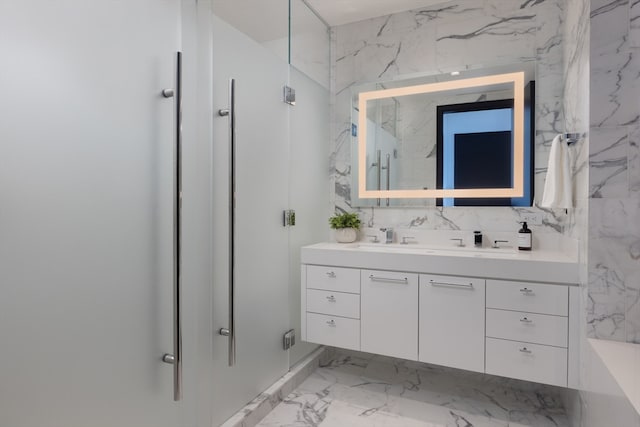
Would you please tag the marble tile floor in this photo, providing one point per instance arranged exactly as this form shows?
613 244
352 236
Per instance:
358 389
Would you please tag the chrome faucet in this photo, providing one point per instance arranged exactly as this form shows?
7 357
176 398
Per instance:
373 238
460 242
496 243
405 240
389 234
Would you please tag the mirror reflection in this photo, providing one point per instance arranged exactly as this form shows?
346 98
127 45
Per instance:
452 140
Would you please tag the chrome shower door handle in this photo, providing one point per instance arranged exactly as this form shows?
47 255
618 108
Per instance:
388 175
230 112
378 165
175 359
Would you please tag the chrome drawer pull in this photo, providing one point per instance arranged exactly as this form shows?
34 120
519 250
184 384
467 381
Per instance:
331 323
525 320
388 279
331 298
525 350
526 291
331 274
452 285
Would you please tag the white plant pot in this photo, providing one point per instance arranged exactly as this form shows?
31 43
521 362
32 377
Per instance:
346 235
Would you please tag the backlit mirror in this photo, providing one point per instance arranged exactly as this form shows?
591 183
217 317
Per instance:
460 139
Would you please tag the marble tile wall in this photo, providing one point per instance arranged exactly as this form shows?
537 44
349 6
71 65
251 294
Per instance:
613 310
580 405
450 36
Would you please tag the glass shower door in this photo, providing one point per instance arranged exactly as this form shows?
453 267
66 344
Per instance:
260 248
86 223
309 155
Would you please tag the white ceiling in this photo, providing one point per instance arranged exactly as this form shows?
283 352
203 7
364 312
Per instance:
262 20
266 20
338 12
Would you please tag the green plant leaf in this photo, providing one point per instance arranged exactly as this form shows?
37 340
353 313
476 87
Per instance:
345 220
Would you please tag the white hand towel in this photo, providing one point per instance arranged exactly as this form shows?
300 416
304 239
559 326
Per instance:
558 186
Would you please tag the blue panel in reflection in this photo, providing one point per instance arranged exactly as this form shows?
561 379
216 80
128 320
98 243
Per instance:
474 122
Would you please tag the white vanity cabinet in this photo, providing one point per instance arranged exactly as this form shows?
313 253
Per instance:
445 310
389 319
528 331
452 314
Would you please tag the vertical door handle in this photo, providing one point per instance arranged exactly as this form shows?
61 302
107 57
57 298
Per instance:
230 331
379 171
175 359
388 175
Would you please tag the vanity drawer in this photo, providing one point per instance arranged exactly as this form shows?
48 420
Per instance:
528 297
333 303
528 327
333 278
525 361
333 331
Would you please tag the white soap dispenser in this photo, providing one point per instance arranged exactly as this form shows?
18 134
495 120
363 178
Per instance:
524 238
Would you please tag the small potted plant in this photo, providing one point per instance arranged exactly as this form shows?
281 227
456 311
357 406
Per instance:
346 225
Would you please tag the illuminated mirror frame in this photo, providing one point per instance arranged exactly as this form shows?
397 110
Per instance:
518 139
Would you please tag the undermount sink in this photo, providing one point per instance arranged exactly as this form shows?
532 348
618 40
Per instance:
450 251
482 252
382 247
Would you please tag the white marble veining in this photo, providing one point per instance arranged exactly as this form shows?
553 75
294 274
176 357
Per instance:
614 275
606 16
576 103
614 238
634 28
360 389
475 40
608 163
634 160
615 69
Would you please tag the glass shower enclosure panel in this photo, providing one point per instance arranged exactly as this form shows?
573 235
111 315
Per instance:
309 153
259 254
281 163
309 43
309 187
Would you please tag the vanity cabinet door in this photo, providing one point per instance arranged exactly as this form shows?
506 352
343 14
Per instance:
452 321
389 313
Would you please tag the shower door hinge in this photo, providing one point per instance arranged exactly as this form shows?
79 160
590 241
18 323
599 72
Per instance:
289 95
289 339
289 218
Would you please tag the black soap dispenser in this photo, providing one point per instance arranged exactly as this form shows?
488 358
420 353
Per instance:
524 238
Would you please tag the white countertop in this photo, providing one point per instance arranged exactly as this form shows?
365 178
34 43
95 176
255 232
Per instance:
538 266
623 362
